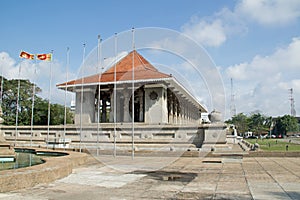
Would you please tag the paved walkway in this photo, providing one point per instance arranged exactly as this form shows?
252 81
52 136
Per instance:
183 178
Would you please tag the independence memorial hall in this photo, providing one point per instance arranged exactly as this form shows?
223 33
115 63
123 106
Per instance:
130 105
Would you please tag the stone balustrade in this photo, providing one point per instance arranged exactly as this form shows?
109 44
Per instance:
69 136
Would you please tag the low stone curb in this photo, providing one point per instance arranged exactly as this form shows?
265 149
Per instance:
54 168
272 154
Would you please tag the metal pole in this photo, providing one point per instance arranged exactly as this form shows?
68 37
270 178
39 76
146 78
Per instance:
32 105
81 100
66 87
132 98
17 106
115 97
99 91
49 100
1 82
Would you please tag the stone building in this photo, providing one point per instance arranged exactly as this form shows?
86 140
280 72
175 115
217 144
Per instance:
158 97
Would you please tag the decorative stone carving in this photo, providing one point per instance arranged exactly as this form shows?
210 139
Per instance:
215 116
153 95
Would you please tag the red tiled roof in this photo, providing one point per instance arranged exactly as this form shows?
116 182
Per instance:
143 70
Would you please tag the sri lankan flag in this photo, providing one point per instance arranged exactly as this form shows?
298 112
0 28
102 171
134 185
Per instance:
45 56
26 55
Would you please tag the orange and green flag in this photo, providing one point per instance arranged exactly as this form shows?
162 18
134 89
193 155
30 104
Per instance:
45 56
26 55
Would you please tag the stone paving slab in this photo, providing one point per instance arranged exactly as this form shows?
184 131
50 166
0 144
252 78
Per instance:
232 188
184 178
267 191
100 178
200 187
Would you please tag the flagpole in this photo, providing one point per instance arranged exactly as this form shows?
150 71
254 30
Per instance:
1 82
115 97
32 105
81 99
49 100
132 100
26 55
17 109
99 90
65 114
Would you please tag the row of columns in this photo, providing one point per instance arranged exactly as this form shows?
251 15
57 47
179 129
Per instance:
122 106
181 111
175 109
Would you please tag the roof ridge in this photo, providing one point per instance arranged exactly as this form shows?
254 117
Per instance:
143 70
125 64
146 65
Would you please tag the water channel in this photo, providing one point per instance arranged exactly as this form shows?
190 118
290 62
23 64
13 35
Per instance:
27 158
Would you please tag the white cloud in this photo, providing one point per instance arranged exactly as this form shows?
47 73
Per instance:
263 83
295 84
208 34
269 12
283 60
214 30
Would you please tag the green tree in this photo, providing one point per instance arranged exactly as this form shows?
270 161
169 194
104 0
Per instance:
258 123
9 105
58 114
9 101
40 112
241 122
285 124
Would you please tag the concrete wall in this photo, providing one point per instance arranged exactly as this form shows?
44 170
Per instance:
88 105
215 136
165 135
156 110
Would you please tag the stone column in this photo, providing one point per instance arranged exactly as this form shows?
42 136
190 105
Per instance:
178 112
111 113
171 108
175 111
103 118
189 113
184 114
181 112
88 105
141 99
126 117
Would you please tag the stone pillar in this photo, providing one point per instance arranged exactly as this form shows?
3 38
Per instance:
141 99
188 113
171 108
179 112
111 113
175 110
103 117
126 117
215 133
185 114
88 105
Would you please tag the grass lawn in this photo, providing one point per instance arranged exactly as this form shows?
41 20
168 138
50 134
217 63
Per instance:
274 144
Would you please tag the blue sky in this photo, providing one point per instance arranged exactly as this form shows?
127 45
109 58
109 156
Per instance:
257 43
